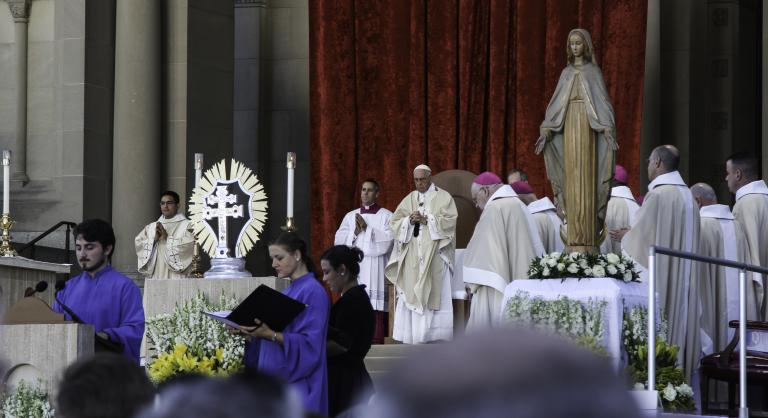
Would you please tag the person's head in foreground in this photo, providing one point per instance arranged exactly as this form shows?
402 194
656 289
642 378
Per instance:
252 395
504 373
103 386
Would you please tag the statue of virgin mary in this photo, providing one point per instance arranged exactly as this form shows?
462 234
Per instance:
578 140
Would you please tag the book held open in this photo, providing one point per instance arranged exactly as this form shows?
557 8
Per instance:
268 305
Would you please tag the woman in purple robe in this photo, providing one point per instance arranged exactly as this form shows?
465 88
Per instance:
297 354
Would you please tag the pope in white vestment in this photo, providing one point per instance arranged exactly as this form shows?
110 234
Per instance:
669 218
422 261
164 248
501 249
548 224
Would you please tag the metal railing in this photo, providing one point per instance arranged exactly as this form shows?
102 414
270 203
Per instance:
31 244
743 268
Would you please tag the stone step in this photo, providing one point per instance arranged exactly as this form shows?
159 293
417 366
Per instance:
391 350
382 364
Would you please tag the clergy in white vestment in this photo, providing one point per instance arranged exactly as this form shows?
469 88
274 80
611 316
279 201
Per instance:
720 237
669 218
164 248
422 261
751 211
501 249
621 211
367 228
548 224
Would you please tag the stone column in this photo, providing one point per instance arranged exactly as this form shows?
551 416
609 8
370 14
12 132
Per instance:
137 147
20 13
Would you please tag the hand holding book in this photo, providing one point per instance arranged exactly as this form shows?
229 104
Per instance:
262 330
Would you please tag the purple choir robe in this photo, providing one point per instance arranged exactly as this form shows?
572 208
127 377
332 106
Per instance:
109 301
301 360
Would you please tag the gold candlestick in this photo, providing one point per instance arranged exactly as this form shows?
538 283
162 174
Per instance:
289 226
6 249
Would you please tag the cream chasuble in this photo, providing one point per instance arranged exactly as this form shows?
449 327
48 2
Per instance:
621 212
544 215
751 211
421 267
376 243
169 258
669 218
501 249
721 237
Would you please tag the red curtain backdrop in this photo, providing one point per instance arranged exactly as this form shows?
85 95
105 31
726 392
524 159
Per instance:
453 84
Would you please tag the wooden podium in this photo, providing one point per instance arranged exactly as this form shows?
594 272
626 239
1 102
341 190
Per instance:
37 343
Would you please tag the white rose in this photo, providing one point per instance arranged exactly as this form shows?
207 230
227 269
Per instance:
574 255
543 262
573 268
622 267
639 386
627 276
611 269
669 392
587 271
545 272
560 267
598 271
685 390
612 258
583 263
552 262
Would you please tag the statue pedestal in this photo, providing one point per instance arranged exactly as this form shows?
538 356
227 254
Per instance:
162 295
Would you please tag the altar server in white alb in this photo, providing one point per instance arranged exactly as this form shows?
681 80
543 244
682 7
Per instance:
501 249
621 211
422 261
367 228
720 237
751 211
544 215
164 248
669 218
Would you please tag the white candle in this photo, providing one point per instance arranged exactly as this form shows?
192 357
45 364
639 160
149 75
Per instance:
198 168
291 164
6 181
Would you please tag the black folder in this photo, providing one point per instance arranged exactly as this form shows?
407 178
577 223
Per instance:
270 306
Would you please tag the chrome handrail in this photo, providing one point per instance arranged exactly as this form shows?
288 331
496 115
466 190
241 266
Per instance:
743 268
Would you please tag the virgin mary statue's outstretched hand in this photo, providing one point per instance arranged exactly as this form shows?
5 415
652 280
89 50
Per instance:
578 140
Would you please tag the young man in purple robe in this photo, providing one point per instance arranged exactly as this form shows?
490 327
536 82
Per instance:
101 296
297 354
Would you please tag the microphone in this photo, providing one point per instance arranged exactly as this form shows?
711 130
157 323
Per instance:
60 284
417 227
39 287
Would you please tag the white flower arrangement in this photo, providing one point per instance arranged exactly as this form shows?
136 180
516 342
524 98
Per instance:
579 321
188 341
676 394
564 265
27 401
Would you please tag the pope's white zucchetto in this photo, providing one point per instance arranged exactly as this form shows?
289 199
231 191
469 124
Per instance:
422 167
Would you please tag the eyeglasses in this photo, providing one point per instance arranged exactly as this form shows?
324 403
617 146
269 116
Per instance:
167 203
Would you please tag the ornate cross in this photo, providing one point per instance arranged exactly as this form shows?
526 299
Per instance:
220 199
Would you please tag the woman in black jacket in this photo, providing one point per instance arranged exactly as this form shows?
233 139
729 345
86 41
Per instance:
350 329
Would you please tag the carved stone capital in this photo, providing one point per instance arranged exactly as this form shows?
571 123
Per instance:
20 9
